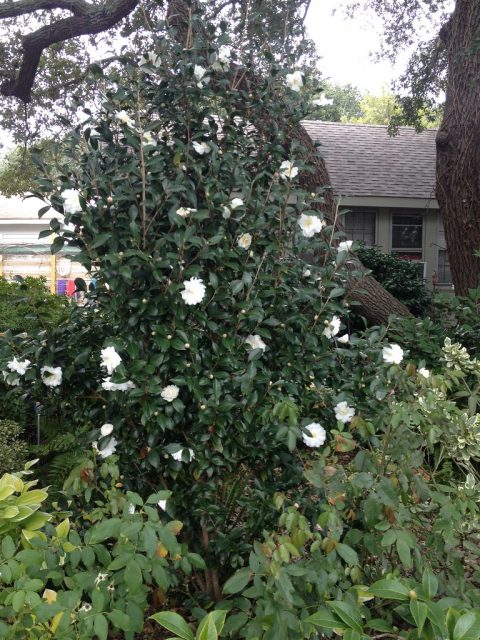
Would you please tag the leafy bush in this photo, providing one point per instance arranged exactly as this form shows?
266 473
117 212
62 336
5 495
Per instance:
399 277
207 318
26 305
13 451
80 581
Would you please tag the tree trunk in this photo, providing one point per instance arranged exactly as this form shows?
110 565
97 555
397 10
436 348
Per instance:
373 302
458 146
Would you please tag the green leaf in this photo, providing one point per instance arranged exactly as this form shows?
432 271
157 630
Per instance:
351 634
347 553
377 624
104 530
467 627
237 582
349 614
404 554
218 618
326 619
389 537
419 611
390 589
429 583
100 626
174 623
8 548
120 620
208 631
133 576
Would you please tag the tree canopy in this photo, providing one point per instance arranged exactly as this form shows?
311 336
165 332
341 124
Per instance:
53 45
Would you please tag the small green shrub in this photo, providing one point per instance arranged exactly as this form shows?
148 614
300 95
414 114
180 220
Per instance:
26 305
13 451
399 277
81 578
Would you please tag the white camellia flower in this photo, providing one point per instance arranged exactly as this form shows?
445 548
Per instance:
18 366
199 72
184 212
110 359
148 139
310 225
346 245
343 412
162 504
51 376
322 101
294 81
224 54
392 354
226 213
194 291
170 392
255 342
344 339
106 429
109 449
244 241
332 327
317 436
201 148
150 58
235 203
124 118
307 273
424 372
178 455
288 170
71 201
108 385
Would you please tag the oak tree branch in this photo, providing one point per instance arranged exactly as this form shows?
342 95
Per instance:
87 19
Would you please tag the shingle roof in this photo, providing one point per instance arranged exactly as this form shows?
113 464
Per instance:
363 160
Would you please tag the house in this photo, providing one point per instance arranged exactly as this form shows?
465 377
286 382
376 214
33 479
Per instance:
23 253
385 188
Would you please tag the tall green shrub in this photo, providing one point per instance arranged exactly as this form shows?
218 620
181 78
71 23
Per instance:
400 277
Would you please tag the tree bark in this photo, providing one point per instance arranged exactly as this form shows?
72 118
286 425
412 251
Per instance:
458 147
87 19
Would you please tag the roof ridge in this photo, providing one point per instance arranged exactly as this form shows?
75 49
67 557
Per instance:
361 124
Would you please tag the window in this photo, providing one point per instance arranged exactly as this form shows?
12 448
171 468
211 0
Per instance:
360 225
444 274
407 235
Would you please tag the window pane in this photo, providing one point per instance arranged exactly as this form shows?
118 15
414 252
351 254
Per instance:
360 225
408 237
407 230
444 273
408 219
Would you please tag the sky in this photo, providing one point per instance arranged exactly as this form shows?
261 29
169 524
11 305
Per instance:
345 46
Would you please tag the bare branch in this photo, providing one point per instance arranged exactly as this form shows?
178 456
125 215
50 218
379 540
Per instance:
23 7
91 20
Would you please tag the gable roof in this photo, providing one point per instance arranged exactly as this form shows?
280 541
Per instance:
363 160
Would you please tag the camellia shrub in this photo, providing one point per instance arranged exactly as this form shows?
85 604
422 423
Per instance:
214 365
208 328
